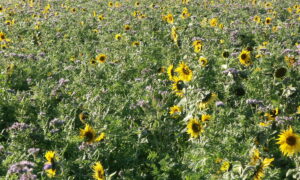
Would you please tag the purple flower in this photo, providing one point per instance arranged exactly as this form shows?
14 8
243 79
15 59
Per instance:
19 126
219 103
28 176
21 167
253 101
56 122
33 151
47 166
231 71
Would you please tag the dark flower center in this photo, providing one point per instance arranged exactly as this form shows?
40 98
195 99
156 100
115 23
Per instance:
180 85
225 54
243 56
279 73
89 136
291 140
185 71
196 127
102 58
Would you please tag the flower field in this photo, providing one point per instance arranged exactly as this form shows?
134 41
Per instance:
178 89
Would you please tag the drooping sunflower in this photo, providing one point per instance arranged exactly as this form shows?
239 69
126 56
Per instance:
89 135
185 73
98 171
171 72
174 110
101 58
259 173
245 58
194 128
289 142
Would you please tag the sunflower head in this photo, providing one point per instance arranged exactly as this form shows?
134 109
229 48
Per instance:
88 134
205 117
51 172
194 128
255 156
171 72
225 166
50 156
98 171
280 72
174 110
268 20
170 19
118 37
289 142
127 27
245 58
101 58
185 73
203 61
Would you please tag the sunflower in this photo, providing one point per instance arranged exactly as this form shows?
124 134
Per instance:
205 117
174 110
170 19
272 114
255 157
245 58
110 4
101 17
101 58
268 20
213 22
89 135
290 60
298 110
289 142
225 54
280 72
50 156
127 27
83 116
51 172
118 37
185 73
171 72
259 173
93 62
135 43
174 35
256 19
98 171
203 61
194 128
225 166
178 86
2 36
207 100
185 13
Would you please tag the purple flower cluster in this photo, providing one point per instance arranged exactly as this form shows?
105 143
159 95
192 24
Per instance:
24 168
254 102
19 127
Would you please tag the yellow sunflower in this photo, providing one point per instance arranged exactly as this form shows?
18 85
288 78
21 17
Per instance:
51 172
185 73
50 156
255 157
272 114
89 135
207 100
205 117
203 61
170 19
171 72
98 171
174 35
127 27
256 19
194 128
118 37
178 86
185 13
259 174
135 43
101 58
174 110
268 20
289 142
225 166
245 58
213 22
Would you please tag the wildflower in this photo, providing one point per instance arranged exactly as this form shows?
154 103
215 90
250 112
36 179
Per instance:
197 46
170 19
185 73
89 135
207 100
127 27
101 17
213 22
118 37
205 117
175 110
289 142
135 43
272 114
185 13
174 35
194 128
178 86
268 20
225 166
256 19
33 151
98 171
245 58
171 72
101 58
203 61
